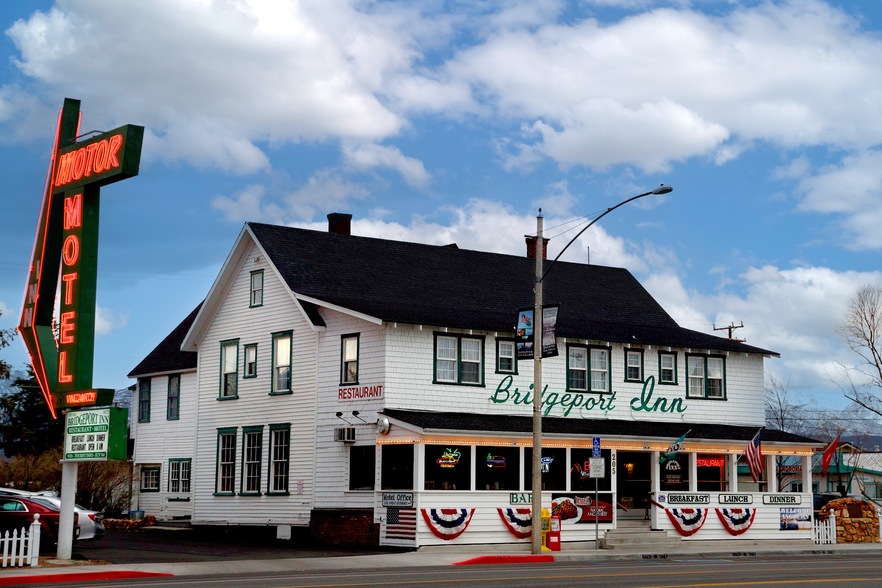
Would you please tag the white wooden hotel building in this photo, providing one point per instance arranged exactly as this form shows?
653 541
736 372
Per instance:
369 389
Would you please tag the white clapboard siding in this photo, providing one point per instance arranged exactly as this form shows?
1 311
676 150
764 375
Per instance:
161 439
410 366
332 457
766 525
254 406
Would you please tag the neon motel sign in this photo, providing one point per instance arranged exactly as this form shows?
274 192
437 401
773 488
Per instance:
66 245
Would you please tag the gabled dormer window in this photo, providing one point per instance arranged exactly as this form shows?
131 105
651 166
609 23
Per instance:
256 288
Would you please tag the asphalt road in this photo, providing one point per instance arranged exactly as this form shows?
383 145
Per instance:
807 571
217 544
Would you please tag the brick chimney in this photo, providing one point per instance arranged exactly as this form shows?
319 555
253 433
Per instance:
531 247
339 223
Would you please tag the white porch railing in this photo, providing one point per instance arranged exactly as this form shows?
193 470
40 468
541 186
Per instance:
22 546
824 531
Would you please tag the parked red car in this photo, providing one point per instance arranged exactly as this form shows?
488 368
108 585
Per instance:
17 512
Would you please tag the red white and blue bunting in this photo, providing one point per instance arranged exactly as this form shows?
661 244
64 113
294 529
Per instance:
518 521
448 523
736 520
687 521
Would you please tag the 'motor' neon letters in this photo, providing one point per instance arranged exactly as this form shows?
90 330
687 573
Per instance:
96 158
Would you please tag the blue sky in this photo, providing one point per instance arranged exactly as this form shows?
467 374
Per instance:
453 122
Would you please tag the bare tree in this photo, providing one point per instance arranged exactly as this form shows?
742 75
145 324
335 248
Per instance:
6 337
861 330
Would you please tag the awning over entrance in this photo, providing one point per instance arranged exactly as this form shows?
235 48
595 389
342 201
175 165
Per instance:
506 424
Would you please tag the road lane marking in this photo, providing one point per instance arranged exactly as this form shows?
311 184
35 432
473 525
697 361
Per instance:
755 583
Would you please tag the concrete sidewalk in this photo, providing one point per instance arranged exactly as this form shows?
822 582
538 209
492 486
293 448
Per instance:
434 557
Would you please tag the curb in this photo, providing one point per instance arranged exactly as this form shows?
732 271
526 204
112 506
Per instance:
506 559
78 577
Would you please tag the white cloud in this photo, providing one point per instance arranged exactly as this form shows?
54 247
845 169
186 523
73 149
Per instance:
796 169
557 200
5 312
678 83
324 191
106 320
366 156
852 190
213 77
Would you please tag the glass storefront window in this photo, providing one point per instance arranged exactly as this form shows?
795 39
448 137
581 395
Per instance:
448 467
675 474
579 464
711 472
497 468
554 468
397 467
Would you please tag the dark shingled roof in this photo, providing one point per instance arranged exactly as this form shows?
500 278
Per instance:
444 286
463 421
168 357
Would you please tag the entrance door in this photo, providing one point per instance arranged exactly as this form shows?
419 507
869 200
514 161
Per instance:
634 483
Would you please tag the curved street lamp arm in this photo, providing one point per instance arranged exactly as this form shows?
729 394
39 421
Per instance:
608 210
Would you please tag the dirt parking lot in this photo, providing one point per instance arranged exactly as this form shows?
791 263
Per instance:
202 544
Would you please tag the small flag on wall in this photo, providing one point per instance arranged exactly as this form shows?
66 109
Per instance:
828 455
754 455
673 450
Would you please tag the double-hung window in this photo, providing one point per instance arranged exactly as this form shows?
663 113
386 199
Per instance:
173 410
229 369
179 476
599 370
633 365
250 361
349 360
144 400
459 359
577 368
252 444
281 363
150 478
279 456
506 360
256 288
706 377
667 368
226 461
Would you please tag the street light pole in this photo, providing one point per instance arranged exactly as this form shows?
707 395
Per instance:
537 390
537 360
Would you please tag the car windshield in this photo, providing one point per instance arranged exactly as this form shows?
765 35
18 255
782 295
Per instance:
43 502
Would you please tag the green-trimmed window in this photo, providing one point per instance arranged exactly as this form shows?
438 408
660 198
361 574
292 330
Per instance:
144 400
226 461
459 359
281 363
173 408
667 368
279 458
150 478
349 359
587 368
256 288
506 358
179 475
577 367
706 377
633 365
229 369
252 445
250 361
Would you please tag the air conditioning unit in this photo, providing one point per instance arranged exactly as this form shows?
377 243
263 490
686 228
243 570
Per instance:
344 434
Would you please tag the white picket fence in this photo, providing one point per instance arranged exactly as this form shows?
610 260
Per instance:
824 531
22 546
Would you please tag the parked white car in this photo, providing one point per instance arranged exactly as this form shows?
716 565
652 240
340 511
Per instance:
91 522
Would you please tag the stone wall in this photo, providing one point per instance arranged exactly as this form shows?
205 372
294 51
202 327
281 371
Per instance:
853 529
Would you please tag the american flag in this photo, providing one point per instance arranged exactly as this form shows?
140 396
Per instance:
754 455
401 523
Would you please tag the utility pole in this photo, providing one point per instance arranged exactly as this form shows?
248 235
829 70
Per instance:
537 392
732 326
